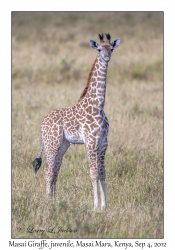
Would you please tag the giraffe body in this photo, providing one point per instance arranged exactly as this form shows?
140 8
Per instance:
83 123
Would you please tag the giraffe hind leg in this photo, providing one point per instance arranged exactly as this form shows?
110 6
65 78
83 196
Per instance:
53 166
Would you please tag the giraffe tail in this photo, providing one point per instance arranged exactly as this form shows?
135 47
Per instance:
37 162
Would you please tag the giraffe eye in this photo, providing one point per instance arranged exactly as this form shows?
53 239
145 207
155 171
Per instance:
99 50
112 49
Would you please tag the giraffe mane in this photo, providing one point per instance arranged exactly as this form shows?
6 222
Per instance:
88 82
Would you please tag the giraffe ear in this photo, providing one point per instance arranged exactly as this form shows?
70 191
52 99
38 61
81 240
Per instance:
93 44
115 43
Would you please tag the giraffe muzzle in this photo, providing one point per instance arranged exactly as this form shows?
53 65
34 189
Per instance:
107 58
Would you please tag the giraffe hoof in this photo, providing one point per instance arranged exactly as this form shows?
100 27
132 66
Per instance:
36 164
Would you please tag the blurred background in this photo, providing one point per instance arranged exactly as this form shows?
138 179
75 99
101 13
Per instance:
53 47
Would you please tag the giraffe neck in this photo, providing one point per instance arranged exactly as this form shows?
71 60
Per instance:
95 90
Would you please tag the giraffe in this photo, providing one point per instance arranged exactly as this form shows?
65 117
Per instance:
83 123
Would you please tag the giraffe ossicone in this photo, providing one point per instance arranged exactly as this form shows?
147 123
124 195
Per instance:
82 123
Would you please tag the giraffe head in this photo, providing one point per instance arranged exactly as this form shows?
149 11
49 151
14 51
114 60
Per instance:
105 48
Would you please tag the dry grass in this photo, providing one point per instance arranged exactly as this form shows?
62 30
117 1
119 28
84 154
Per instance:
51 58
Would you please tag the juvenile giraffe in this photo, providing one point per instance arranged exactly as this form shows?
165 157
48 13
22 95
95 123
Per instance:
82 123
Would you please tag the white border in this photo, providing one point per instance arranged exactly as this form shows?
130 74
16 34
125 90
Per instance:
5 96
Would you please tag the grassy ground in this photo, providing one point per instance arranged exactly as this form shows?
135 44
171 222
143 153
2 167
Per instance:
51 58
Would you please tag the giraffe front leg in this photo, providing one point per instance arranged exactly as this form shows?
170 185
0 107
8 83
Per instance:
102 174
103 194
95 191
93 159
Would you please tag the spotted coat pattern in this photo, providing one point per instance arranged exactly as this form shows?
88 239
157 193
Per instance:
83 123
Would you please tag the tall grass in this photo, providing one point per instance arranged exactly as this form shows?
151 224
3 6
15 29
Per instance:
51 58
